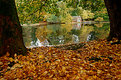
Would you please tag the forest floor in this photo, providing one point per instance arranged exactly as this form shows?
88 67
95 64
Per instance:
96 60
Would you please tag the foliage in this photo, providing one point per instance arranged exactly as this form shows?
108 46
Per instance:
42 32
54 34
66 19
101 31
62 16
97 60
57 34
85 30
34 11
102 14
77 11
87 14
93 5
53 19
99 19
26 12
96 7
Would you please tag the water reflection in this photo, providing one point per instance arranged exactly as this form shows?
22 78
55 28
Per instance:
75 38
63 34
37 43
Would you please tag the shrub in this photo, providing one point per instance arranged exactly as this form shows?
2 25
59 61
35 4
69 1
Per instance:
52 18
87 14
99 19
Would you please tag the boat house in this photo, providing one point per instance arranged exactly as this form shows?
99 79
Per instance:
76 19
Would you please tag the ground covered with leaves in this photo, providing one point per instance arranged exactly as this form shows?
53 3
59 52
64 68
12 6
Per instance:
96 60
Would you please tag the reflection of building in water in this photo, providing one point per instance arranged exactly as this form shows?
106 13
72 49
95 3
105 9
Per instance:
77 22
75 38
77 26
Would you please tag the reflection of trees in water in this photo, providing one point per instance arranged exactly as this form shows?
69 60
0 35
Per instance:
42 32
85 30
57 34
76 32
91 36
60 36
34 38
75 38
101 32
63 34
99 25
29 36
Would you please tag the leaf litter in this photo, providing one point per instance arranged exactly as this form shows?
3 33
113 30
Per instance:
96 60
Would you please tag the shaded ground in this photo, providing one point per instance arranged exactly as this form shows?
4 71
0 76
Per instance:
97 60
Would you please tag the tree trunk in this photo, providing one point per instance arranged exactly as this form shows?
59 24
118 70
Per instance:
114 12
11 39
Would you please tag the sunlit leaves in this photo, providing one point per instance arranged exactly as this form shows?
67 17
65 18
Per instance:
87 14
29 10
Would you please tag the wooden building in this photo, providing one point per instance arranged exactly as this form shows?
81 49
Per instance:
76 19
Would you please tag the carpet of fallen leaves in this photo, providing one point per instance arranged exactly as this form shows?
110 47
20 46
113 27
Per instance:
96 60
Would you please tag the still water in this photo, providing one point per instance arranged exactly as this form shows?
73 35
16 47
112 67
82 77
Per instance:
56 34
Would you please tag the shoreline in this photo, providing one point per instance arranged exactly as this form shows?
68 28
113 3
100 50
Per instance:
46 23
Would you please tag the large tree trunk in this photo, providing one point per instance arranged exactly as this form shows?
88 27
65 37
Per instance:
11 40
114 12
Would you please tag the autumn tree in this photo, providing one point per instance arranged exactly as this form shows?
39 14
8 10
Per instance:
114 12
11 40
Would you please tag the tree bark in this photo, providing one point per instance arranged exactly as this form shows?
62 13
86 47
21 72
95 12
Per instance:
114 12
11 39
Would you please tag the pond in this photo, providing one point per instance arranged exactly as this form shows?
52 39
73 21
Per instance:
57 34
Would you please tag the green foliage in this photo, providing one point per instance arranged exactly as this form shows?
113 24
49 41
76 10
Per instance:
52 18
62 16
103 14
65 16
29 11
87 14
77 11
65 19
34 11
94 5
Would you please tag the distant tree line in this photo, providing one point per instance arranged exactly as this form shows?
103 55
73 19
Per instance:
34 11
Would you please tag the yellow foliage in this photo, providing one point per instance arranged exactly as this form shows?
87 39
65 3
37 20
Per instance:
99 19
87 14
